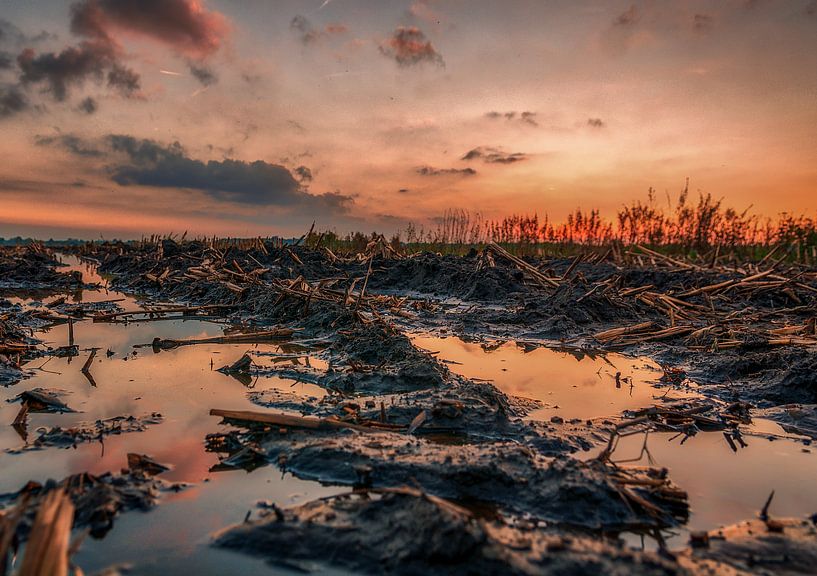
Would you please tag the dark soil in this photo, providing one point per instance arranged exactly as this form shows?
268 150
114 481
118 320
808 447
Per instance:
457 445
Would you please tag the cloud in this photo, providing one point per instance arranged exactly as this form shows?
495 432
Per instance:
88 105
11 35
74 144
491 155
203 73
71 66
303 174
152 164
702 22
12 101
525 117
185 25
408 46
308 34
124 80
131 161
6 61
596 123
430 171
629 17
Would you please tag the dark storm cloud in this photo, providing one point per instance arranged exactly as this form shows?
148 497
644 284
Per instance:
408 46
491 155
12 101
431 171
595 122
182 24
526 117
203 73
88 105
309 34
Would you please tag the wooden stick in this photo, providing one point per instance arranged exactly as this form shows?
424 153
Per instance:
46 552
535 274
290 421
265 336
166 310
87 366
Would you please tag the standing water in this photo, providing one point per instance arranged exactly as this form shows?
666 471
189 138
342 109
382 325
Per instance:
181 385
724 486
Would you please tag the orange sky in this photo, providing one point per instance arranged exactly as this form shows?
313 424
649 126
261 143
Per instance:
122 117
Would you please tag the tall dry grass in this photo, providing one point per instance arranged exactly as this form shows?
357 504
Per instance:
685 225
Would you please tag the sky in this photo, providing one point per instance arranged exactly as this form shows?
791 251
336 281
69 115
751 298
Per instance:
128 117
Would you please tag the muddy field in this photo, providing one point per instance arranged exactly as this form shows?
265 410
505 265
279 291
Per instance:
224 407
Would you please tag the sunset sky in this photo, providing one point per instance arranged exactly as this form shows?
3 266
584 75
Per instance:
124 117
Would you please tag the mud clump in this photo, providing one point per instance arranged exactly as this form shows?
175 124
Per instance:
406 531
446 276
379 360
773 546
770 376
33 267
507 474
98 499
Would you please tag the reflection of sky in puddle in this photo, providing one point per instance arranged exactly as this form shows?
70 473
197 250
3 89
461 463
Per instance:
726 487
183 385
723 486
580 388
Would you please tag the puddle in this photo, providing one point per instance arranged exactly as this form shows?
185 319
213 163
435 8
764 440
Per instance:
571 385
724 486
182 384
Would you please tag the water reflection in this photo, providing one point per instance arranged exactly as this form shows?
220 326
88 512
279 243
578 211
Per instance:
182 384
571 384
725 486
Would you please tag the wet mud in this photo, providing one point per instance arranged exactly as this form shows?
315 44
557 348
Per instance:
479 406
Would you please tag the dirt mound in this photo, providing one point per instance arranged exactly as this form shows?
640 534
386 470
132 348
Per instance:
405 531
446 276
779 376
